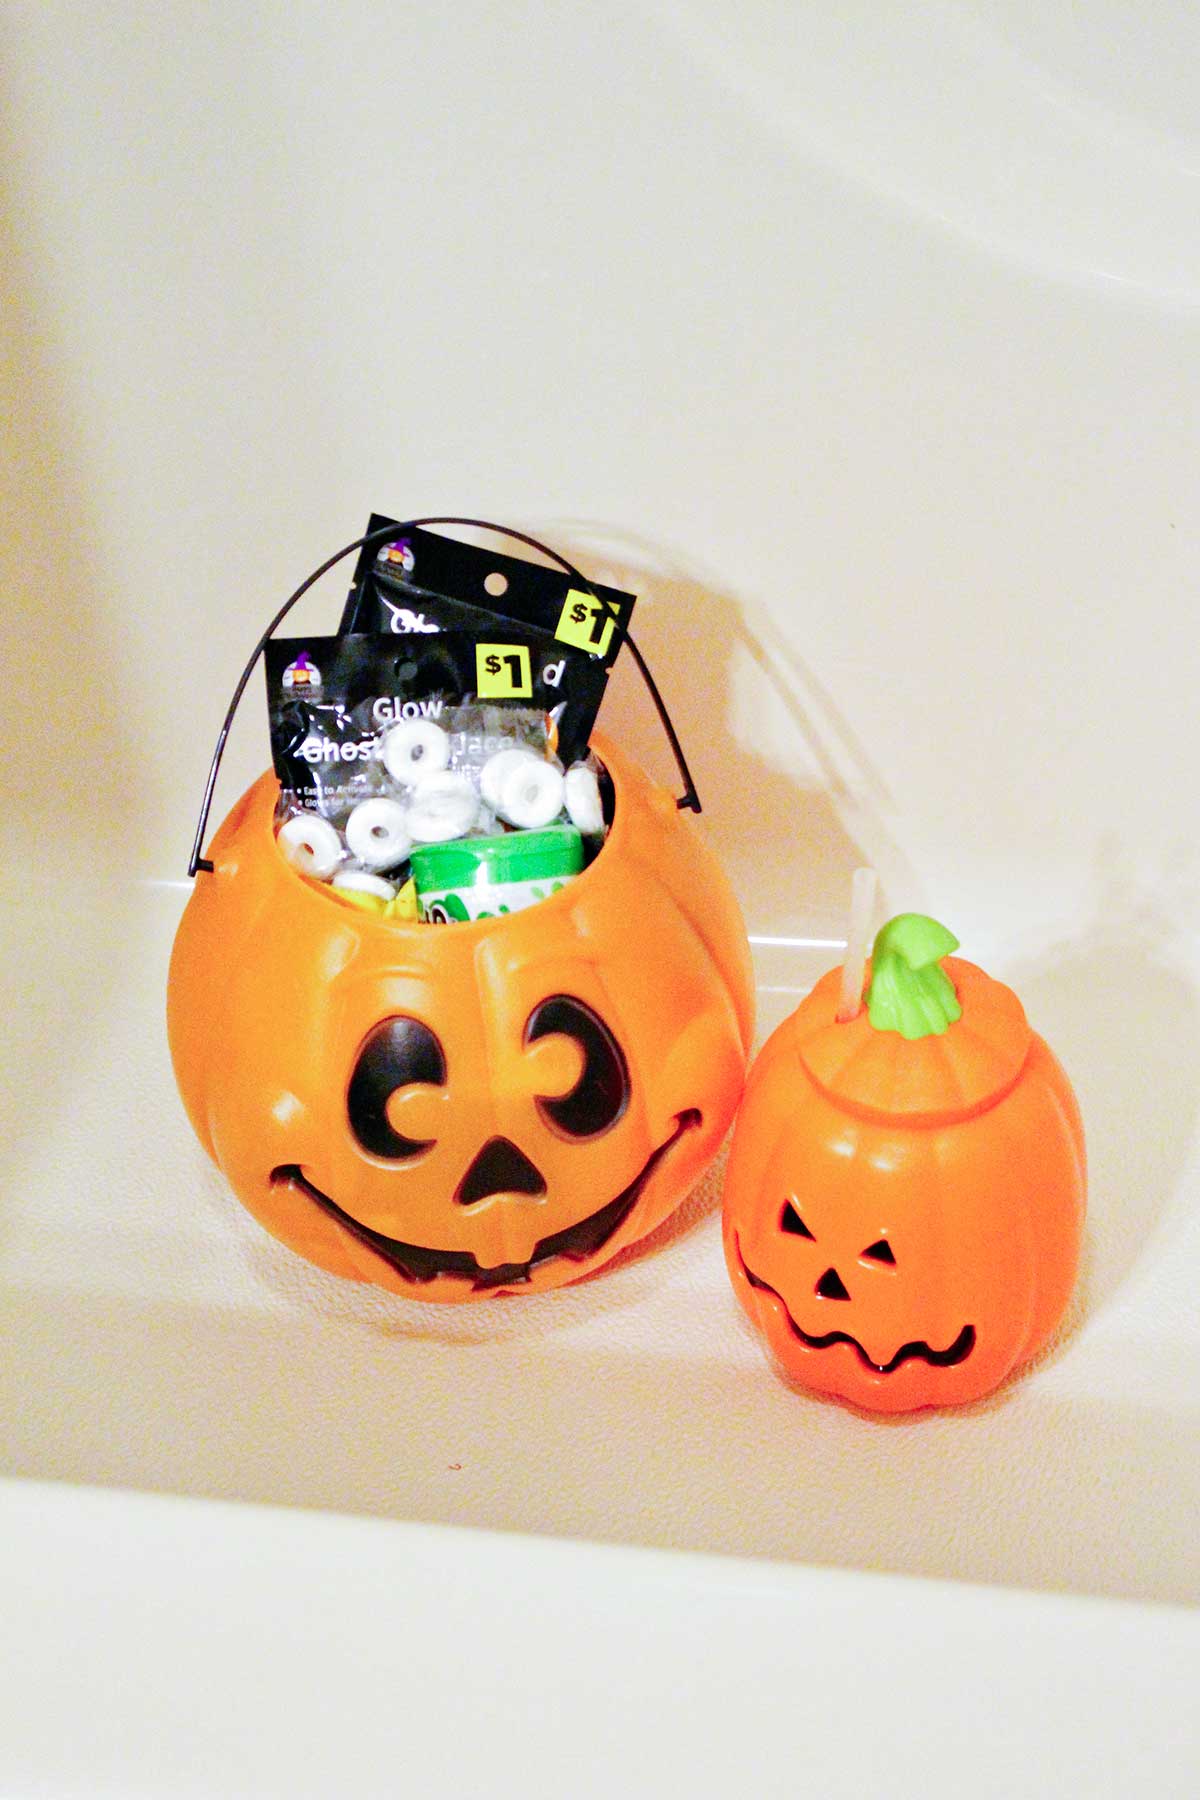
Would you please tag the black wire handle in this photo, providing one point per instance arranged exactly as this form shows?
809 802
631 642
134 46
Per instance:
688 799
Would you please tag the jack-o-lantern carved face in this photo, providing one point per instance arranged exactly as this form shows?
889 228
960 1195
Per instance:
522 1186
453 1111
887 1309
903 1214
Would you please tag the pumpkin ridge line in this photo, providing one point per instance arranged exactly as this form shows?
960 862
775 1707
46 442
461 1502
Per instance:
876 1115
698 925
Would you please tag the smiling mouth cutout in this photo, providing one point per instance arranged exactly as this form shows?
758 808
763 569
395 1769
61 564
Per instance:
957 1352
419 1263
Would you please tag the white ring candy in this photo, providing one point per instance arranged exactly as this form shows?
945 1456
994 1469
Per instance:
358 881
495 770
443 806
582 792
310 844
377 833
531 794
413 749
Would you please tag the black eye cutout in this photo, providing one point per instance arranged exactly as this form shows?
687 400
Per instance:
397 1053
601 1094
881 1252
791 1222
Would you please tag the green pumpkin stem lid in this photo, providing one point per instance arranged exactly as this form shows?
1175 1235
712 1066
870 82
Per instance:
910 992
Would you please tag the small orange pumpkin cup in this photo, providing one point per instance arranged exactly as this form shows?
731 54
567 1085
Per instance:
905 1194
455 1111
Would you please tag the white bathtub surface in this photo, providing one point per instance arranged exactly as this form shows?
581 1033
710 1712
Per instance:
159 1647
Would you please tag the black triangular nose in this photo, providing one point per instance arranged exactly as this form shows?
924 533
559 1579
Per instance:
831 1286
500 1168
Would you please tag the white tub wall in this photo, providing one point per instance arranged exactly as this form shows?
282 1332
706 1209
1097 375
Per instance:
273 267
906 474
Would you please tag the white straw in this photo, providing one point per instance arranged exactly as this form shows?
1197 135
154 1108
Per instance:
858 935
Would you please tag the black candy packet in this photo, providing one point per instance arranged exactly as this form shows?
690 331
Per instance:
330 699
395 584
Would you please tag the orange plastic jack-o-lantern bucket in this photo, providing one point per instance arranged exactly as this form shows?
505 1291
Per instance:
461 1110
905 1195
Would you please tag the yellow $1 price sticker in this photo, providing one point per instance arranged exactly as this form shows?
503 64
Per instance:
502 672
586 622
